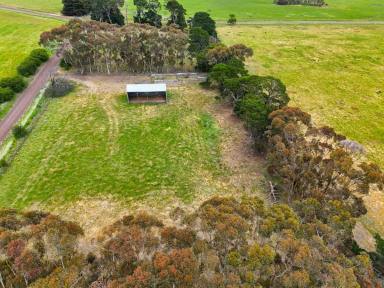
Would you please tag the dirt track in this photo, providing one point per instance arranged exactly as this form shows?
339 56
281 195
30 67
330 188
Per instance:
28 95
34 13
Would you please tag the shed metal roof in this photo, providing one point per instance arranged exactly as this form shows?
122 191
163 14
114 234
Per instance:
147 87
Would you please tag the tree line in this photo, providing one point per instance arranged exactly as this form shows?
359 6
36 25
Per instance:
92 46
147 11
310 168
10 86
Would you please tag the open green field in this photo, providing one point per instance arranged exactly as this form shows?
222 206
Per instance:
335 73
98 145
19 34
251 9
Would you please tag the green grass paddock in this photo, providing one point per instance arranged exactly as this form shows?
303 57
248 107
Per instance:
19 34
333 72
251 9
95 145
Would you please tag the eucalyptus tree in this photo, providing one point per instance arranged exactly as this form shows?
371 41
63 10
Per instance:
75 7
93 46
177 12
147 12
107 11
204 21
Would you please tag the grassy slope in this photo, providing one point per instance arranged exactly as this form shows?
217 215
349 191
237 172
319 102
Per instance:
335 73
97 146
251 9
19 34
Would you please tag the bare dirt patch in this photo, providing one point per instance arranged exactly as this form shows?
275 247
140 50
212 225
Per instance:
245 166
374 220
364 238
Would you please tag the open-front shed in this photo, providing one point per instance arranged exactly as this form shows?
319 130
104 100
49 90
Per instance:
147 93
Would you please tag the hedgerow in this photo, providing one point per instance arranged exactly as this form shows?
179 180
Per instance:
16 83
30 65
6 94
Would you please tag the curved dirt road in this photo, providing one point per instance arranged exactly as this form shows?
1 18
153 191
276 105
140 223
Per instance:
26 98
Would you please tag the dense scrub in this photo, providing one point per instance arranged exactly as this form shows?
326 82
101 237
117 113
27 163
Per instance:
224 243
32 245
92 46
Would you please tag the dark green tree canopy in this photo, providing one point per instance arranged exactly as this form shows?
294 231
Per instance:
204 21
198 40
233 68
177 13
75 7
254 112
16 83
147 12
271 90
107 11
232 19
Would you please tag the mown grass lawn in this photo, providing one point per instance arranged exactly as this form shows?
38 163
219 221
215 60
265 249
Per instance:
96 145
250 9
335 73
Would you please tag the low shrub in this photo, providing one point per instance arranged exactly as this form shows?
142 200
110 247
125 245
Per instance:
16 83
3 163
19 132
39 54
65 65
6 94
379 244
59 87
232 19
28 67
